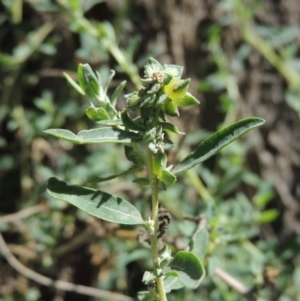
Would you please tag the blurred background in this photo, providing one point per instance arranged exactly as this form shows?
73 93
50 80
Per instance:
243 59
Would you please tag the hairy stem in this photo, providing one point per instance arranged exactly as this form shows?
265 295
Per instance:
153 234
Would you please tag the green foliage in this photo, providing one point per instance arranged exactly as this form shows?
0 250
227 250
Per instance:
31 103
95 202
217 141
188 268
101 135
145 137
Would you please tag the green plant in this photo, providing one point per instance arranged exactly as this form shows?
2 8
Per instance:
145 139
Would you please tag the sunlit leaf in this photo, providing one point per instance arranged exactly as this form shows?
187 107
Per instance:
268 216
215 142
72 82
117 92
101 135
95 202
88 80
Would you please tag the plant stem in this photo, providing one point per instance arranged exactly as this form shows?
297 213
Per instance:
153 234
199 186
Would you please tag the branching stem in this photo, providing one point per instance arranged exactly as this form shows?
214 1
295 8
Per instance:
153 235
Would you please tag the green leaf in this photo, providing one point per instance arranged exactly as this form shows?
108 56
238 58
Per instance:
101 135
267 216
181 85
153 89
164 257
95 202
129 123
131 98
159 163
174 70
200 242
88 80
148 278
168 144
172 282
132 155
142 181
188 267
167 177
169 127
117 92
112 74
152 66
112 112
72 82
97 114
148 101
108 31
108 178
262 199
162 99
188 100
215 142
114 122
170 108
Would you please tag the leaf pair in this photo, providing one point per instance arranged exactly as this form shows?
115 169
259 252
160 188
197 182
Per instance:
205 150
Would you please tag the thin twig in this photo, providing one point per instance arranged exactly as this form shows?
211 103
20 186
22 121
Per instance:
77 241
58 284
236 285
15 217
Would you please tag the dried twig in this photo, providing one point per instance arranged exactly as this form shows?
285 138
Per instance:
15 217
58 284
236 285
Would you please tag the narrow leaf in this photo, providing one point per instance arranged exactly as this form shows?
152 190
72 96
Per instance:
188 267
117 92
129 123
112 74
95 202
88 80
101 135
215 142
114 122
72 82
143 181
267 216
188 100
108 178
169 127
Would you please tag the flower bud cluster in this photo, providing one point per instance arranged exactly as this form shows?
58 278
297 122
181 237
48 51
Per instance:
163 90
